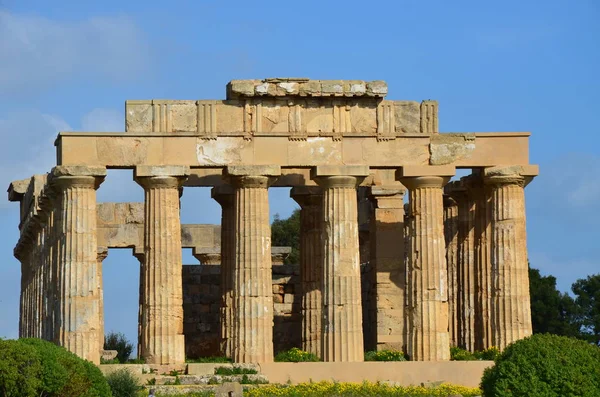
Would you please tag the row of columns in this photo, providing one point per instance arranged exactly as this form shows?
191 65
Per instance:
433 299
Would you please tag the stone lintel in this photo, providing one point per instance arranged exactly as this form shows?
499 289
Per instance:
425 170
161 170
17 189
305 191
303 87
339 170
253 170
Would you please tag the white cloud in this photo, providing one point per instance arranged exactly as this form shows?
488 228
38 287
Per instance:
37 52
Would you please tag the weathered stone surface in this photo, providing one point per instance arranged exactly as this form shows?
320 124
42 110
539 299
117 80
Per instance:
448 148
342 309
162 340
427 283
304 87
510 308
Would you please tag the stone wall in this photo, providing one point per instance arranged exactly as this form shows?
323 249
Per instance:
201 309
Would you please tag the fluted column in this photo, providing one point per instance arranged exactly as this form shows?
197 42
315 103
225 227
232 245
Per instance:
480 194
78 314
224 195
101 256
387 263
162 307
510 305
138 253
310 200
252 275
427 282
342 333
451 238
466 263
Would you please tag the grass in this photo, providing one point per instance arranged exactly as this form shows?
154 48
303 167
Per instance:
235 371
205 360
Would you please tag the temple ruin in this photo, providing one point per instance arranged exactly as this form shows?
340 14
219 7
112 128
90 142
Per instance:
449 268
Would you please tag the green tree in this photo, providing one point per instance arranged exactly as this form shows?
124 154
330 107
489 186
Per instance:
286 233
552 312
118 341
587 292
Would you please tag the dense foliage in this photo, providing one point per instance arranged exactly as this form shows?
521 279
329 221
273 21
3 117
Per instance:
118 341
458 354
385 355
20 369
545 365
295 355
48 370
322 389
587 292
123 384
286 233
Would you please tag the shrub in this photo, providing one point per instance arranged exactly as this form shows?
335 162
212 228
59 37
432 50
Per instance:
360 389
295 355
459 354
385 355
65 374
545 365
122 383
235 370
118 341
20 369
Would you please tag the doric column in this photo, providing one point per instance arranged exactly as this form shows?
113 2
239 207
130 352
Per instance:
387 263
480 194
310 199
78 317
162 307
427 284
252 278
466 262
101 256
451 238
342 333
224 196
510 306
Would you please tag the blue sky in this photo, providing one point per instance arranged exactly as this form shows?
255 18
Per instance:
493 66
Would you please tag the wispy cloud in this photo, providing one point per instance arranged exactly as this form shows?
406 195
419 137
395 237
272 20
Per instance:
38 52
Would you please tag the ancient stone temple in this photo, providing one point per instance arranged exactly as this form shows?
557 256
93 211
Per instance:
447 268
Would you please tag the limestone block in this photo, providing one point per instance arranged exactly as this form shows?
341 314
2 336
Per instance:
138 116
407 117
449 148
228 118
184 115
108 355
363 119
229 389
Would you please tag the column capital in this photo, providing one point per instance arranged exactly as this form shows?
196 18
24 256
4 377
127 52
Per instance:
307 196
280 254
339 172
510 175
168 176
63 176
207 256
251 176
420 182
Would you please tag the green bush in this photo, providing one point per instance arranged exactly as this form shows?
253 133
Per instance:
323 389
61 373
122 383
545 365
20 369
295 355
235 370
459 354
208 360
118 341
385 355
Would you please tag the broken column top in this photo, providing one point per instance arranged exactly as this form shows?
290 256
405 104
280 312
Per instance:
303 87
